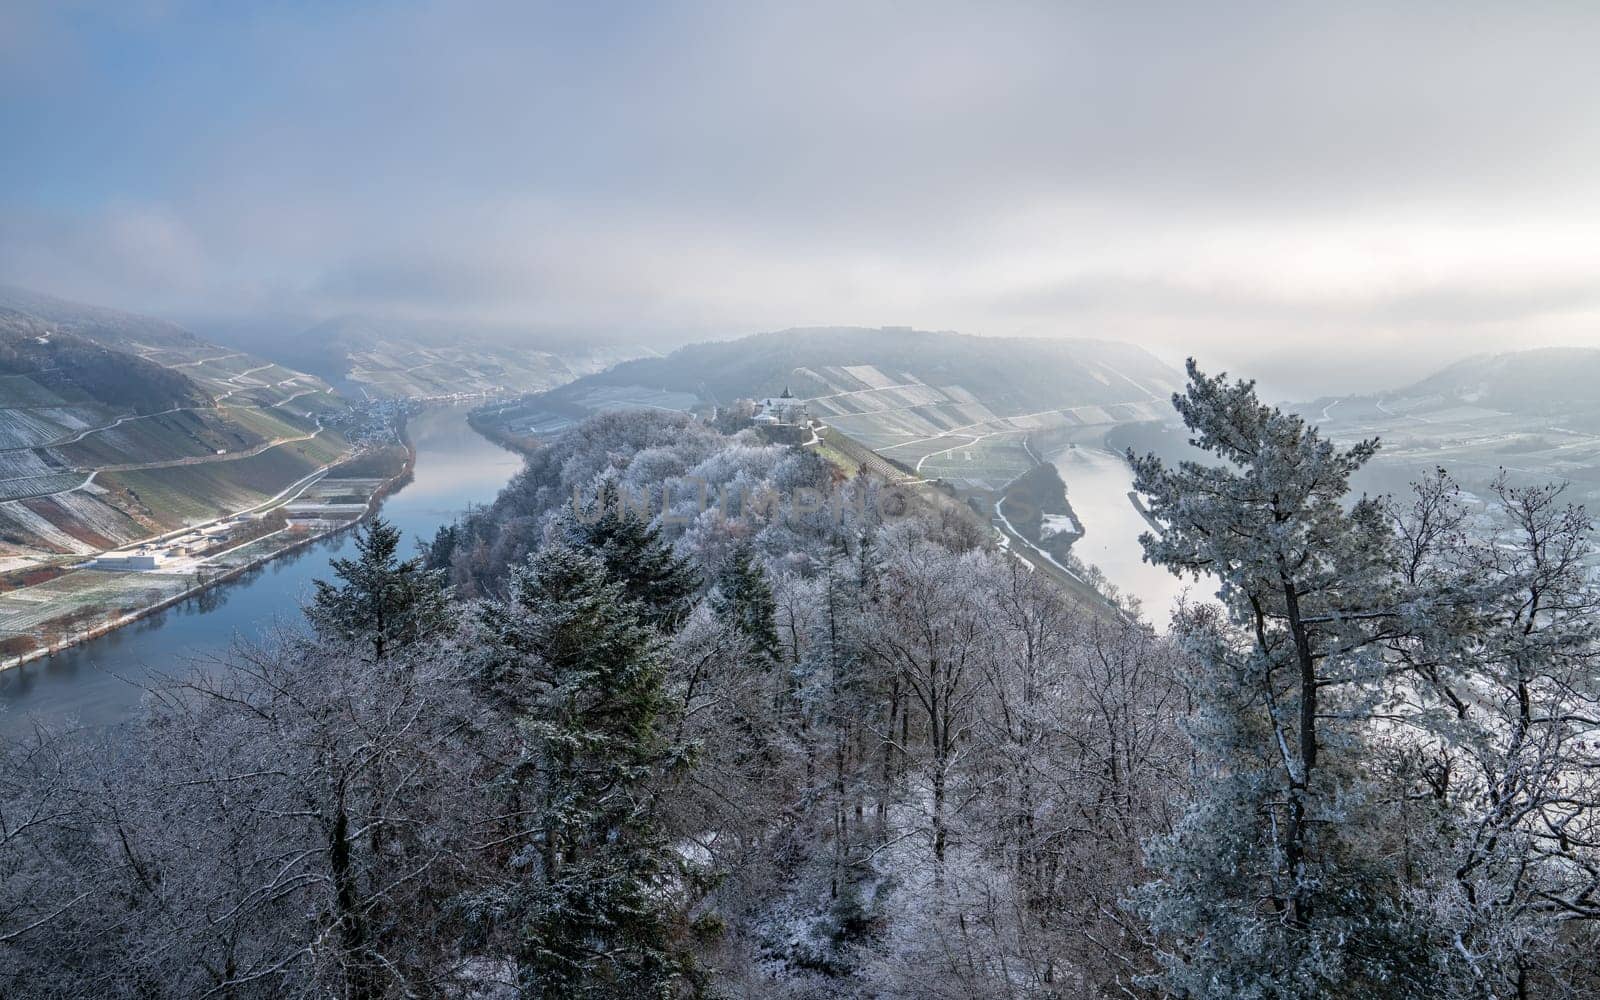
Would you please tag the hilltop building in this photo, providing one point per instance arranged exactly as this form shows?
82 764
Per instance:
783 409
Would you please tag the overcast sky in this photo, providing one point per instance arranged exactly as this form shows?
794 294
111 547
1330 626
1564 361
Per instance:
1331 198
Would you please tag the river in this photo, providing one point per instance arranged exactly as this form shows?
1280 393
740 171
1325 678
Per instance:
98 682
1098 482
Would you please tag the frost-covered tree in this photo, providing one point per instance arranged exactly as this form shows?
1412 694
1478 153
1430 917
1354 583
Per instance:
743 601
839 693
225 844
930 630
663 584
1496 761
593 882
1276 882
380 602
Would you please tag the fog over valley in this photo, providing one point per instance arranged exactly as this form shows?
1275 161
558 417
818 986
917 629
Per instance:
1284 194
748 500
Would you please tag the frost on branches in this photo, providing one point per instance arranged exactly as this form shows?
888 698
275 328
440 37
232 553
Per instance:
1393 793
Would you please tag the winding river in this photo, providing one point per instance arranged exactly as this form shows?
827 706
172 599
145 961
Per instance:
99 683
1098 482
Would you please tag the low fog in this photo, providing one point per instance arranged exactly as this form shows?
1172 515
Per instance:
1331 200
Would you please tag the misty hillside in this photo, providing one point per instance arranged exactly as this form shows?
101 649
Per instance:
1543 381
1008 374
21 310
375 357
1548 380
115 427
127 362
963 409
1532 415
75 369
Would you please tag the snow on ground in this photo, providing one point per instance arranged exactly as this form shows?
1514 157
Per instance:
28 524
1060 524
26 428
23 465
869 375
98 516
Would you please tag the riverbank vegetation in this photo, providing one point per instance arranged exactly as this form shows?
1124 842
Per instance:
647 747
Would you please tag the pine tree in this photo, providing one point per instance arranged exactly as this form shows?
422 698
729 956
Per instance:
380 601
634 552
1276 883
743 601
593 910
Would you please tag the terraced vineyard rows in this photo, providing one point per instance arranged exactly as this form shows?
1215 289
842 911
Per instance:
945 431
27 487
199 431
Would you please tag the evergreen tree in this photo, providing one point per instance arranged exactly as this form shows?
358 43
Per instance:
634 552
380 601
593 910
1277 882
743 601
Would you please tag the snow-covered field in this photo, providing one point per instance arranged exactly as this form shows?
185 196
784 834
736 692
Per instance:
28 428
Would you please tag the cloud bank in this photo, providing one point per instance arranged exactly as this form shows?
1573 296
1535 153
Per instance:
1290 193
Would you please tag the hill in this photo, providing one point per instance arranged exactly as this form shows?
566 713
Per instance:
102 413
111 327
1010 373
951 406
84 371
1534 414
1550 380
369 357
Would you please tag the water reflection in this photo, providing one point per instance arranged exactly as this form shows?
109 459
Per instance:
98 683
1098 487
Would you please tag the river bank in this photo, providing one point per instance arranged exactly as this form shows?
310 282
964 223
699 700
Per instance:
102 681
224 571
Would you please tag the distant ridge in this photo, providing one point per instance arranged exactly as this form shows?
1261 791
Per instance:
1542 380
108 326
1548 379
1007 373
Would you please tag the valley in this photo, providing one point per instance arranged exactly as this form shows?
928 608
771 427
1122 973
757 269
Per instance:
1534 415
970 415
139 463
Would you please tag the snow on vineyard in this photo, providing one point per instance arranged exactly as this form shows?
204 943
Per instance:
17 519
29 428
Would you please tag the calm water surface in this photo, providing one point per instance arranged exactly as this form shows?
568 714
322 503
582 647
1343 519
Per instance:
1098 482
97 683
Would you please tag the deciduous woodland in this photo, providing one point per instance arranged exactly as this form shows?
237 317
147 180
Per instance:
803 753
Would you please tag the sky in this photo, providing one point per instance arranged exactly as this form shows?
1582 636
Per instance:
1327 197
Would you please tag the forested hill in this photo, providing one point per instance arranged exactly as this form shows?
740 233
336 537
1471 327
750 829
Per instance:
1009 374
852 751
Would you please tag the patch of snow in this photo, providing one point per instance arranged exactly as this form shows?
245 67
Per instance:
1060 524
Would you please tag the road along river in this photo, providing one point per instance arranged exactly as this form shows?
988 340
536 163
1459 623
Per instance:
98 682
